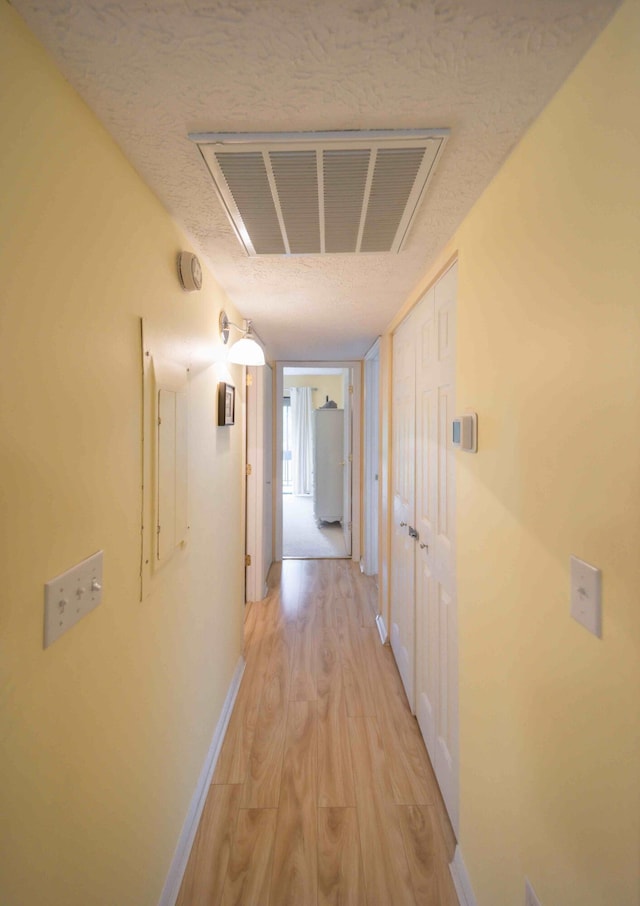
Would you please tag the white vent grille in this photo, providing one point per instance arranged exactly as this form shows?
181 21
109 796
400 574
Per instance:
320 193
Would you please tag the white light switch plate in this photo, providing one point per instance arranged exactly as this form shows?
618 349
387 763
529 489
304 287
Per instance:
70 596
586 597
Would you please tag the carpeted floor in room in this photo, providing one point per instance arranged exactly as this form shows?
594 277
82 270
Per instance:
302 537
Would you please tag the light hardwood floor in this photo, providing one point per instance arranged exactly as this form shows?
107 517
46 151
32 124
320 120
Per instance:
323 792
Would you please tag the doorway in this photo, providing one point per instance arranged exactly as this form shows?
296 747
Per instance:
317 472
315 519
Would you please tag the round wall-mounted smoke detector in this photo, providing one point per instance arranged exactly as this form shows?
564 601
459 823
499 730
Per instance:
190 272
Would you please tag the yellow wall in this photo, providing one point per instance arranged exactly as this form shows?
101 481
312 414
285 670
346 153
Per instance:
330 385
549 357
103 734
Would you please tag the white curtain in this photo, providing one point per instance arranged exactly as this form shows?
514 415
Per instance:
301 440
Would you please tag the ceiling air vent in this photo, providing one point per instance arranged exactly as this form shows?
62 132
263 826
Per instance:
317 193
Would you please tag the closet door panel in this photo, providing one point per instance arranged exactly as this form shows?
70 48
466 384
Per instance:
426 659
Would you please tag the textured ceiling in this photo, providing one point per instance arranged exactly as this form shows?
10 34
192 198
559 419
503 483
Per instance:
155 70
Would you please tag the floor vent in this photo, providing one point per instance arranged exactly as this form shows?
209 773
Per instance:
319 193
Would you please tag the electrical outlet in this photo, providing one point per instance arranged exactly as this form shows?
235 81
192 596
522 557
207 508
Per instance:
530 898
70 596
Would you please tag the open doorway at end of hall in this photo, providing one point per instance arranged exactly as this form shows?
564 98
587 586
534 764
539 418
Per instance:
315 408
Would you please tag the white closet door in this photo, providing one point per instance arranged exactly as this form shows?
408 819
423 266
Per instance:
403 546
436 622
446 757
426 519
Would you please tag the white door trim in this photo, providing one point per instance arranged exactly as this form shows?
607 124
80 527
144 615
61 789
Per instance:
257 483
371 460
253 502
356 413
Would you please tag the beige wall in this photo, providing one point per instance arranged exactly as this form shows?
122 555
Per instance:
103 734
331 385
549 357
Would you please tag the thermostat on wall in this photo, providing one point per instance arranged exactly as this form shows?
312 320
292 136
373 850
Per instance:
190 272
464 432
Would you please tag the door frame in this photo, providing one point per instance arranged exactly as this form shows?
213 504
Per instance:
371 461
356 435
258 420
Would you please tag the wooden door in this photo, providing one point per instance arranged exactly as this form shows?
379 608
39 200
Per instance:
403 489
436 622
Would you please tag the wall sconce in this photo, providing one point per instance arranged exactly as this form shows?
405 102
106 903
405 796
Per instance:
245 351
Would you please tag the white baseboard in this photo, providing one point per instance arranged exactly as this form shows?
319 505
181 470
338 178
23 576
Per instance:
190 826
382 629
461 880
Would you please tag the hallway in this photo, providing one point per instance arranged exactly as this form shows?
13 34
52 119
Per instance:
323 792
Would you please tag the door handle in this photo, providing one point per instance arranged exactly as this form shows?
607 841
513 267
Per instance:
403 524
413 533
424 546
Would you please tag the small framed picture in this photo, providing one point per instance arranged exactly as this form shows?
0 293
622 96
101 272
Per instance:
226 404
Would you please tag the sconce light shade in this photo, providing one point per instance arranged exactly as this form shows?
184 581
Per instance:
246 352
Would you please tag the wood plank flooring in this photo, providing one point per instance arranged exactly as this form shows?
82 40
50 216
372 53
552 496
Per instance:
323 794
